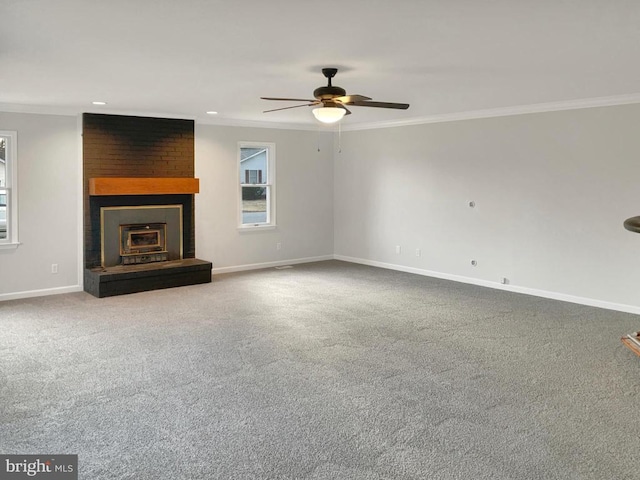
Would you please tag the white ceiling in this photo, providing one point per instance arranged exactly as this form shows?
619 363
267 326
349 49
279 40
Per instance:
181 58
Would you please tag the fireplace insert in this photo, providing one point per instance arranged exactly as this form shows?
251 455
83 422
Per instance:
140 234
143 243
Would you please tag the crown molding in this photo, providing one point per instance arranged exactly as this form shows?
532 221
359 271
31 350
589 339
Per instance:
74 111
221 121
504 112
38 109
577 104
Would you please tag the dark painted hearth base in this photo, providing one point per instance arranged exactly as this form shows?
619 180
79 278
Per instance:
123 279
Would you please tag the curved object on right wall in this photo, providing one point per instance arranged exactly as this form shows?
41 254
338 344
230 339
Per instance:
632 342
632 224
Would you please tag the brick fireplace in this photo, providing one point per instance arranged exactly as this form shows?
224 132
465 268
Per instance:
139 189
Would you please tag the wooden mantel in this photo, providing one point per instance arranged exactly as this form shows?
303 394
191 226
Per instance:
143 186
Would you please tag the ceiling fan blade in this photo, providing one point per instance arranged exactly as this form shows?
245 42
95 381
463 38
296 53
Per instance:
288 99
340 105
287 108
349 99
399 106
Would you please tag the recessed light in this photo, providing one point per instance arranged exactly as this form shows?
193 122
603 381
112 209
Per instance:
99 103
211 112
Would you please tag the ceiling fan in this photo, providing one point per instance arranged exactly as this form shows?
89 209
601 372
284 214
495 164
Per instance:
332 101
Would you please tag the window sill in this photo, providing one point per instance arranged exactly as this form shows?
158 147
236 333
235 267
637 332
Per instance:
256 228
9 246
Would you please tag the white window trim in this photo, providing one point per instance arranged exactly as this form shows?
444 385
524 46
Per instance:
271 177
11 173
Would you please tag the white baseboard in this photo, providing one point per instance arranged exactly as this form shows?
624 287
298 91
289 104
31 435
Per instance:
236 268
279 263
498 286
373 263
40 293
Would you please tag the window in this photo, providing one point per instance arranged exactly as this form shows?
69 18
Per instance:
8 193
256 166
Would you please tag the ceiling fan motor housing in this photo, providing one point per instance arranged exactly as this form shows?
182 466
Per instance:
329 92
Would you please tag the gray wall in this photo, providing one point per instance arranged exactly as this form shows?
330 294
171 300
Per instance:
304 198
49 199
551 193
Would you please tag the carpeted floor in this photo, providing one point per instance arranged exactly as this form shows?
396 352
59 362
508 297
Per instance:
323 371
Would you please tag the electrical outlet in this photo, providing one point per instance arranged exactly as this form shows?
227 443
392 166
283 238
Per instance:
418 252
398 249
278 246
54 268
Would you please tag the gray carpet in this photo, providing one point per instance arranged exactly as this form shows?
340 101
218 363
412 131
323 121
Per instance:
323 371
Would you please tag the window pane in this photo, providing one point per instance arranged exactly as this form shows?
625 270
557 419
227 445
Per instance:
254 205
253 165
3 162
3 214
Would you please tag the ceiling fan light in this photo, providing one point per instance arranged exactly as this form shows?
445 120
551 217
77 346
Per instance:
329 114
